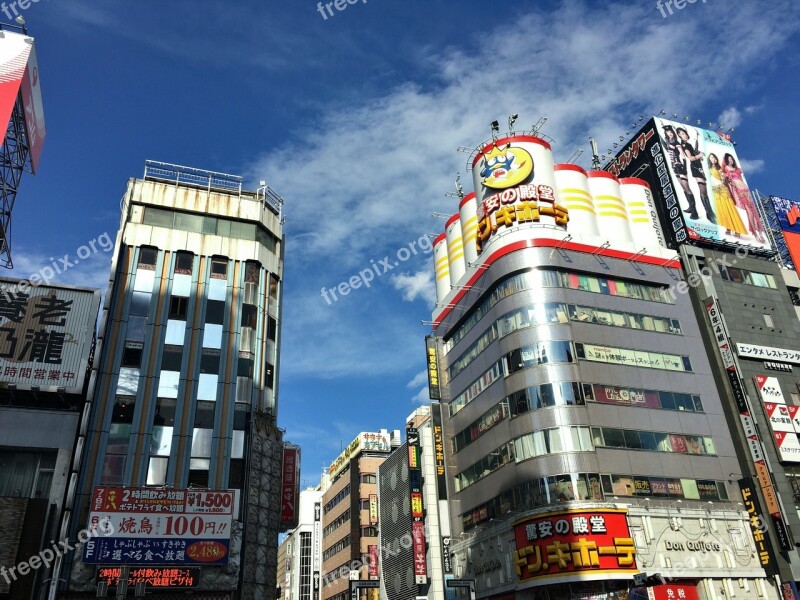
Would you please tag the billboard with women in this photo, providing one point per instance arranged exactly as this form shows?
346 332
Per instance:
697 174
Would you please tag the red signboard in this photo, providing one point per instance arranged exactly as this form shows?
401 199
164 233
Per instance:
32 105
674 592
15 49
420 565
373 561
290 483
574 542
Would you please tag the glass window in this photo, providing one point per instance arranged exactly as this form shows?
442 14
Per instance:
165 412
209 361
140 303
632 439
219 268
148 257
171 358
243 231
187 222
113 469
128 382
136 329
273 286
207 386
177 307
157 471
161 441
245 367
184 262
201 442
132 354
176 330
118 436
158 217
168 382
124 407
144 280
217 289
212 336
215 311
249 316
237 447
614 438
181 284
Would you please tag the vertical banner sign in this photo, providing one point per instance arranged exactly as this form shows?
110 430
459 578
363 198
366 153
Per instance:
316 547
434 391
373 509
758 525
373 561
438 443
290 483
787 443
447 558
420 564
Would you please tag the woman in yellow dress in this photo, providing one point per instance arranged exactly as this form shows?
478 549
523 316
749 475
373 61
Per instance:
727 214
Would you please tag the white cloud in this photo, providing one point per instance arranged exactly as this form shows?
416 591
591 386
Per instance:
421 397
730 117
418 285
419 379
751 166
383 164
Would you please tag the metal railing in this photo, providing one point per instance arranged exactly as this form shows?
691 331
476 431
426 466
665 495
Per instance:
209 180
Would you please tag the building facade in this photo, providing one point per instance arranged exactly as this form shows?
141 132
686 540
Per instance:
300 553
415 559
732 253
349 514
579 401
184 397
48 337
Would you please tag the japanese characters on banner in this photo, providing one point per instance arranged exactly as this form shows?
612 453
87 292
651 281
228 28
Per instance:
724 346
160 527
373 509
768 353
758 526
417 511
420 562
590 544
514 183
290 485
317 549
770 389
438 448
673 592
373 561
781 419
434 390
153 577
46 335
367 442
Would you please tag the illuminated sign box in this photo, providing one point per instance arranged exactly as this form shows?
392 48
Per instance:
574 544
153 577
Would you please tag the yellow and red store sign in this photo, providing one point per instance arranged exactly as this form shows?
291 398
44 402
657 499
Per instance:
593 542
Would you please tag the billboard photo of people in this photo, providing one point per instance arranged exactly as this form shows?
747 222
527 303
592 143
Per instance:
712 192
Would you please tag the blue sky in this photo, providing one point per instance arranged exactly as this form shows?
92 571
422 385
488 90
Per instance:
355 121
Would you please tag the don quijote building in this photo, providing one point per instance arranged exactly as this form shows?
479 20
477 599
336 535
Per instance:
586 446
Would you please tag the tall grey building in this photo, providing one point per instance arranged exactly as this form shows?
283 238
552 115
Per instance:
184 396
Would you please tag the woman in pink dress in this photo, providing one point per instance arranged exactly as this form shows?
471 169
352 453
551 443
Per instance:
741 195
727 215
